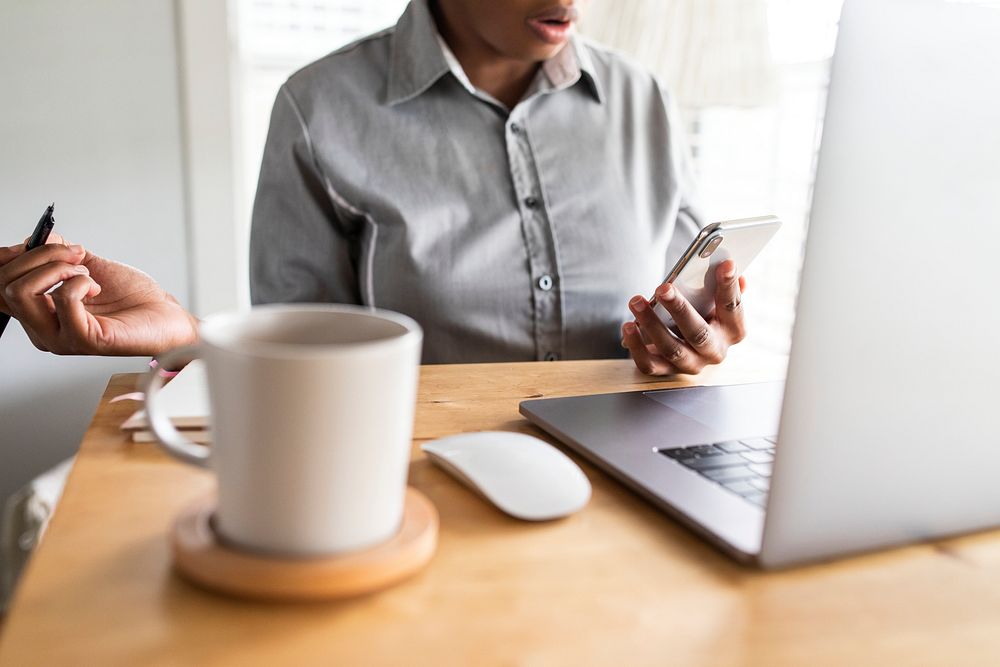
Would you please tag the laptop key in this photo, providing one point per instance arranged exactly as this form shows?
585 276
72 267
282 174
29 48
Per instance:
761 484
729 474
703 450
762 469
758 457
732 446
741 487
757 498
772 438
676 453
758 443
720 461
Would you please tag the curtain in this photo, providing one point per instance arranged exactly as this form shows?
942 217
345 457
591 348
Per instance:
709 52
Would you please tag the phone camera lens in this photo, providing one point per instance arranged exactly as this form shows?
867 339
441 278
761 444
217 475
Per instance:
710 246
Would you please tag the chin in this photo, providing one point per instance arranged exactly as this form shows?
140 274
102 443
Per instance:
538 51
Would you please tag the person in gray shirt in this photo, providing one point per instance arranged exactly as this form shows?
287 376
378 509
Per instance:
479 167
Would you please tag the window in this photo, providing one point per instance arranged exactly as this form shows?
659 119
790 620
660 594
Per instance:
761 160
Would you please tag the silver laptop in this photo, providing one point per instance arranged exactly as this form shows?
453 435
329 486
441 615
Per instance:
889 427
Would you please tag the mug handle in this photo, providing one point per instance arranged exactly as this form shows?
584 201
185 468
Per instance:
167 435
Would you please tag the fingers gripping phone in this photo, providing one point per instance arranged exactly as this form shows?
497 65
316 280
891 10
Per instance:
694 273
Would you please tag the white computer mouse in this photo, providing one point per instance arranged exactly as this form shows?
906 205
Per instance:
522 475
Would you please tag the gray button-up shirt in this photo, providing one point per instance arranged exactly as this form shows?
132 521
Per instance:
509 234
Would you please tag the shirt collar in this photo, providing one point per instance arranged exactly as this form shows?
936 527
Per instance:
420 56
454 66
585 66
415 61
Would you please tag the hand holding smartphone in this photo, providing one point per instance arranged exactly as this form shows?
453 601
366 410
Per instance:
694 273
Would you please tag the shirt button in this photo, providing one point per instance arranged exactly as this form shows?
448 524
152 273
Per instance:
515 128
531 202
545 283
551 356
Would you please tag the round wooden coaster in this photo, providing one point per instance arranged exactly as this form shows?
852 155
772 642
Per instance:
201 558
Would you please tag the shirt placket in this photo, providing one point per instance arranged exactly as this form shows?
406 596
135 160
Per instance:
539 240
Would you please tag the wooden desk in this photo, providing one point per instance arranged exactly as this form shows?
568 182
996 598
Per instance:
617 584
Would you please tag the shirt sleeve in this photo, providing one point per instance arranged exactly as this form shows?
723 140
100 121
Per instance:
300 250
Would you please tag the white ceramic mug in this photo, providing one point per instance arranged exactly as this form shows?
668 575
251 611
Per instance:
312 419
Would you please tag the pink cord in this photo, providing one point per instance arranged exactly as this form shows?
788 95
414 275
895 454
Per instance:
164 374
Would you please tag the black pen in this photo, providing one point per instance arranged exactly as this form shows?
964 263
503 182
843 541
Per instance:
38 238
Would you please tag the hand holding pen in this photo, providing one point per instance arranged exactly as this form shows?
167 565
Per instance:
71 301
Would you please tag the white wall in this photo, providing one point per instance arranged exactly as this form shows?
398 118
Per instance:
89 118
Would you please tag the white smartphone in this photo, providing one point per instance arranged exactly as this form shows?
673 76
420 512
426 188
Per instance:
694 273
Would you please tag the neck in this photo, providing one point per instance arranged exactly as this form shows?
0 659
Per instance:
505 79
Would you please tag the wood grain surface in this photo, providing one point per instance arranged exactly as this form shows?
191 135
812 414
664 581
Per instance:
616 584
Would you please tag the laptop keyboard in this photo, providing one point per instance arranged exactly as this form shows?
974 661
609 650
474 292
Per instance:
742 467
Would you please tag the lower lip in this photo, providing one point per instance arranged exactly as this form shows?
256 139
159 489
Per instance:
551 33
